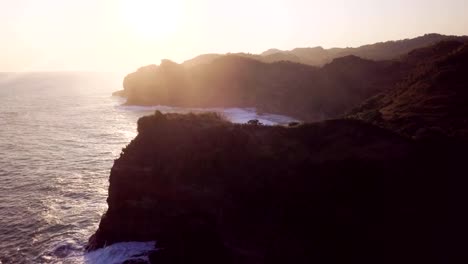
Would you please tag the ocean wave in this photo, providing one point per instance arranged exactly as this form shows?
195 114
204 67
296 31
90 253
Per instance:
120 252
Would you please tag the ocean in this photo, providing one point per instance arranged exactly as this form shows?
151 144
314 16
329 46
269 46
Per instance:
59 136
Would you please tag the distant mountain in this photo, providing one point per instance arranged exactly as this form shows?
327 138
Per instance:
431 101
318 56
280 56
270 52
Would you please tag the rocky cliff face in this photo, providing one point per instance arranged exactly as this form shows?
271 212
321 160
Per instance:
334 192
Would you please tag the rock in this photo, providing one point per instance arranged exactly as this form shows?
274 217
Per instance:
254 122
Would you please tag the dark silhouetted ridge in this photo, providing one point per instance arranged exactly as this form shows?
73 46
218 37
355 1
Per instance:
339 191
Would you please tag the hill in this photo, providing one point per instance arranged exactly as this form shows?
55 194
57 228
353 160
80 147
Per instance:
431 101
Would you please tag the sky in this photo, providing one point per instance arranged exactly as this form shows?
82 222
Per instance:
122 35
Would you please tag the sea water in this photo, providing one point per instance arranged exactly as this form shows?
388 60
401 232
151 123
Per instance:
59 136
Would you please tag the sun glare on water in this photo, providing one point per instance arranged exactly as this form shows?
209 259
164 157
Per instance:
153 19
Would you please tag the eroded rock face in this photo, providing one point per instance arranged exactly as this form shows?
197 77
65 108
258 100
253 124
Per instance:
214 192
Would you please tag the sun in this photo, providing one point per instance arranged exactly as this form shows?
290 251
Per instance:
153 19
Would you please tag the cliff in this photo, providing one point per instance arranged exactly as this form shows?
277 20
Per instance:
301 91
340 191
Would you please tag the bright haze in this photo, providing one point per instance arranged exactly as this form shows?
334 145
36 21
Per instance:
121 35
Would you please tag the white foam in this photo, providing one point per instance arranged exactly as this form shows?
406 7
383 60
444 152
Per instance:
117 253
235 115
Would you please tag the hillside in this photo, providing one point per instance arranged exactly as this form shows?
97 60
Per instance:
431 101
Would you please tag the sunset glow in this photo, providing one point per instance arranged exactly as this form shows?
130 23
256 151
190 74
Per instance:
245 131
121 35
152 19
